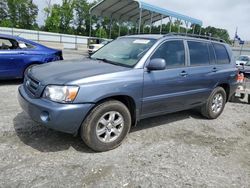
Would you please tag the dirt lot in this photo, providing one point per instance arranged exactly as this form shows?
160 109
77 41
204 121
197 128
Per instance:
176 150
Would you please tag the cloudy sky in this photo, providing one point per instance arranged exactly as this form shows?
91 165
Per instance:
227 14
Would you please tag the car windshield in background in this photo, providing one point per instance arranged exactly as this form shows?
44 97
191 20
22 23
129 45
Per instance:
243 58
124 51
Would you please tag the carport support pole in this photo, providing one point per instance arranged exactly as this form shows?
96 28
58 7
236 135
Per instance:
139 29
90 25
151 21
186 27
193 28
170 27
119 32
110 27
161 24
200 31
179 26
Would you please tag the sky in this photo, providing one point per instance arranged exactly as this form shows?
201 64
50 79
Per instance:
226 14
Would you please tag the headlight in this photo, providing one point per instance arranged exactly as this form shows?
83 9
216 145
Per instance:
63 94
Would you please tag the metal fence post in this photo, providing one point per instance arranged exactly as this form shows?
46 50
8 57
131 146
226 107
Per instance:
38 37
76 42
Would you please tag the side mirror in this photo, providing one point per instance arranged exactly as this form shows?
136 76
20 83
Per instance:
156 64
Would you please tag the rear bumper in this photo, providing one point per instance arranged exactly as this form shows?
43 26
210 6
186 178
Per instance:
61 117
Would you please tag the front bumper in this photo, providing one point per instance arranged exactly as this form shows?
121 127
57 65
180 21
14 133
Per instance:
61 117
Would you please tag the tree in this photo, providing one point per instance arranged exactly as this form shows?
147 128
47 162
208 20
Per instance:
60 17
52 23
81 9
67 16
19 13
3 10
101 33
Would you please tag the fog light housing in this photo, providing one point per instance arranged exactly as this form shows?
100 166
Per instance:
44 117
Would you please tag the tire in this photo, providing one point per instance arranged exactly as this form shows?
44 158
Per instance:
106 126
212 110
249 99
27 69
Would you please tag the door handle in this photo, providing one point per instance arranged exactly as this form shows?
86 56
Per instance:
184 74
21 53
214 69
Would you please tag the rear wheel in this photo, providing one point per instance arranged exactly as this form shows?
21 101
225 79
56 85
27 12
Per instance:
215 104
106 126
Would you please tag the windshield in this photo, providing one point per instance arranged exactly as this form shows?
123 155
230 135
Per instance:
243 58
124 51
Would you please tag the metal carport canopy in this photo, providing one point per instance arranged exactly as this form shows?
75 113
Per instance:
133 10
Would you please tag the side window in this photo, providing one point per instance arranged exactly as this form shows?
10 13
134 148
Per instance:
173 52
198 53
211 54
24 45
221 54
5 44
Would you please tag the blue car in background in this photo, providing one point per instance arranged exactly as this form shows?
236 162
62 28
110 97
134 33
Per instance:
17 55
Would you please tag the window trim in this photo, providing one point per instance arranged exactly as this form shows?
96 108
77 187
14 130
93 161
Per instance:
216 54
158 46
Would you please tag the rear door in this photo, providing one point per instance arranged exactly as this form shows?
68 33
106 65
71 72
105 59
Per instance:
201 71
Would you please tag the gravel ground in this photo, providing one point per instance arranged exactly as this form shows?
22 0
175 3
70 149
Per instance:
176 150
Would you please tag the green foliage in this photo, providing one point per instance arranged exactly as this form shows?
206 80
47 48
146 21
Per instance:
18 13
60 17
52 23
101 33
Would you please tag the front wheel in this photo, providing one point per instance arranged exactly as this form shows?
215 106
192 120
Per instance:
106 126
215 104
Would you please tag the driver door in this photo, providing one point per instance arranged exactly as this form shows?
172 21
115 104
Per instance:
164 90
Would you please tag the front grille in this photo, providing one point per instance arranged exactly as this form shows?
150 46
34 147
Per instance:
32 85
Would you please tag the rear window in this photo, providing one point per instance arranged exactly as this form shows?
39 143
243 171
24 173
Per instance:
199 54
221 54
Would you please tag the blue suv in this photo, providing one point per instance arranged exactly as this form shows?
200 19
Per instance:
129 79
17 55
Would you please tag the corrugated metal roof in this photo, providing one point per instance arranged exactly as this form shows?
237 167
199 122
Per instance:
129 10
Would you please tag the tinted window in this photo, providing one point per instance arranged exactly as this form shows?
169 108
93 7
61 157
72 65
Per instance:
221 54
198 53
5 44
8 44
23 45
173 52
211 54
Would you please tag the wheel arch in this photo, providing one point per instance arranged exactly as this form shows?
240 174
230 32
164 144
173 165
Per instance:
226 87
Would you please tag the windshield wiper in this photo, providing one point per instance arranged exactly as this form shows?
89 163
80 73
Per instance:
108 61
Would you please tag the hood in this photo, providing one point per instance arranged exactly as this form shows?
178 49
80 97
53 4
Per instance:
63 72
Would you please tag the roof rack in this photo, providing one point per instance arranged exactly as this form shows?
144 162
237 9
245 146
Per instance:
196 36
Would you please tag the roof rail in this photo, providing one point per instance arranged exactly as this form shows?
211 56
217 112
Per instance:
196 36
